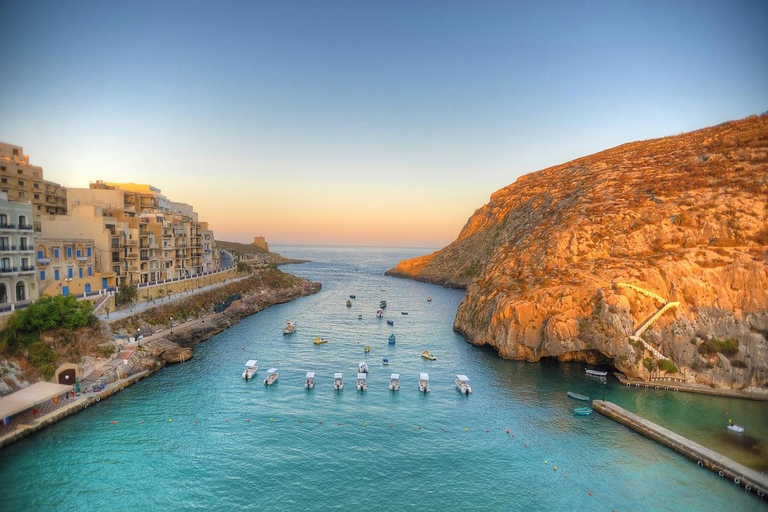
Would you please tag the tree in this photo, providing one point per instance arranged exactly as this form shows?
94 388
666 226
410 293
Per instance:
127 293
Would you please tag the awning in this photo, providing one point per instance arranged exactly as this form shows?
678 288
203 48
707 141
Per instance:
251 362
424 376
310 375
394 376
462 377
336 375
362 376
30 396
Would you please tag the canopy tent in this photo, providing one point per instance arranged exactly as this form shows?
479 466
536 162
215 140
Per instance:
272 370
462 377
362 376
310 375
337 375
423 376
30 396
251 363
394 376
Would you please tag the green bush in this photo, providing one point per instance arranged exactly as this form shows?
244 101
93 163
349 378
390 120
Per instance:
714 345
126 294
648 363
668 366
42 358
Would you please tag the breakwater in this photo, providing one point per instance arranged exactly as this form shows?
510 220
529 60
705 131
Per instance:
740 475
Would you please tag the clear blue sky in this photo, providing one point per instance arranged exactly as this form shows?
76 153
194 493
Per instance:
359 122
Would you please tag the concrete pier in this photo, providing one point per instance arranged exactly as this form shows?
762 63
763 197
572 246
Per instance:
738 474
676 385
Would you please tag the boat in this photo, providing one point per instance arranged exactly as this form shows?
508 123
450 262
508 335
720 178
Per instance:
353 296
462 382
320 341
362 367
429 298
338 382
736 428
391 339
424 382
290 328
394 382
349 303
577 396
383 304
379 313
385 361
427 355
359 317
390 322
403 312
362 381
309 383
272 376
250 369
582 411
367 349
596 373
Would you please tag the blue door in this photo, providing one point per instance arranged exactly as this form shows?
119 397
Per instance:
65 290
104 283
87 287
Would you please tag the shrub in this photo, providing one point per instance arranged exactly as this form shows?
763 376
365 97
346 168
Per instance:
126 294
667 366
714 345
42 358
648 363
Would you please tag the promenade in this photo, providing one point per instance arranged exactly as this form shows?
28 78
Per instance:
674 385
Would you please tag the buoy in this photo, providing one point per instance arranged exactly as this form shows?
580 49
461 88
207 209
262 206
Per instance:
466 429
195 421
169 420
545 462
248 420
142 421
487 431
366 424
271 419
555 468
701 464
721 473
227 420
98 399
736 481
390 426
590 493
114 422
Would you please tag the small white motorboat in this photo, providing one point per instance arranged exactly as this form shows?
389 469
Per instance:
250 369
394 382
736 428
290 328
424 382
362 367
272 376
309 382
462 382
379 313
362 381
338 382
429 298
596 373
385 361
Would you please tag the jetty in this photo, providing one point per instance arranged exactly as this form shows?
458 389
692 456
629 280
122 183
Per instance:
741 475
675 385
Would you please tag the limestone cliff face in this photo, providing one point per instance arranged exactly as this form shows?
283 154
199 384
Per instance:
685 217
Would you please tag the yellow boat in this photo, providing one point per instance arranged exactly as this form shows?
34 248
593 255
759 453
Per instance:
427 355
320 341
367 348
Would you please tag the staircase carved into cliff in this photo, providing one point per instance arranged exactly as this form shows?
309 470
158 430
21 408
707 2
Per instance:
665 305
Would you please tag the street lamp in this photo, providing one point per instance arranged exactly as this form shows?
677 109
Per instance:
171 325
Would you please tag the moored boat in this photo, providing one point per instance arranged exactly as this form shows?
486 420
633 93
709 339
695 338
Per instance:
338 382
349 303
290 328
272 377
362 367
582 411
736 428
403 312
250 369
379 313
596 373
367 349
320 341
362 381
394 382
427 355
383 304
577 396
424 382
385 361
462 382
309 382
429 298
359 317
390 322
353 296
392 339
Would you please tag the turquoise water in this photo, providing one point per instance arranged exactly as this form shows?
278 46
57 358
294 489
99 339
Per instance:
287 448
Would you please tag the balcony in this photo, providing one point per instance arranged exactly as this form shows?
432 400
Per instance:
24 247
83 258
8 226
43 261
28 270
9 248
9 270
131 255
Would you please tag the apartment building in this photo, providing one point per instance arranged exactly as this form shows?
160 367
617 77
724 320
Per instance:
23 182
17 256
67 265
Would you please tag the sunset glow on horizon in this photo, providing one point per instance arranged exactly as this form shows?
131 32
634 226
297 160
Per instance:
361 123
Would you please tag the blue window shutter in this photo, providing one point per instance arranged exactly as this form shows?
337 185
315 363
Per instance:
56 275
42 275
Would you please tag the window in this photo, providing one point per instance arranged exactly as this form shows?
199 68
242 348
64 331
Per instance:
39 254
3 290
89 252
80 273
24 262
22 194
69 254
69 272
21 182
55 275
22 220
42 275
79 253
56 253
2 168
90 271
4 180
5 263
37 196
21 291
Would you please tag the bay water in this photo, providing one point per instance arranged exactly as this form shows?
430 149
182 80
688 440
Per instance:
197 436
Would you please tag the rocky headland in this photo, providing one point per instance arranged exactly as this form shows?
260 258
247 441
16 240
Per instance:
651 257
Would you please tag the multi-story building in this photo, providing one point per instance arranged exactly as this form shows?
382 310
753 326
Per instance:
17 254
67 265
23 182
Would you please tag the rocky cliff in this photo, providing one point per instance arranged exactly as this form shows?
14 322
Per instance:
651 256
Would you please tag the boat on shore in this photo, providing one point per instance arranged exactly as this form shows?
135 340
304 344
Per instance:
427 355
394 382
320 341
596 373
577 396
272 377
582 411
462 382
250 369
390 322
736 428
349 303
424 382
290 328
362 367
392 339
362 381
338 382
309 382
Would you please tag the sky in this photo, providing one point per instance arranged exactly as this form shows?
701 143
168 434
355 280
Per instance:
355 122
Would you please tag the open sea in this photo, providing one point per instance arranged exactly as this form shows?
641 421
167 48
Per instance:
287 448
